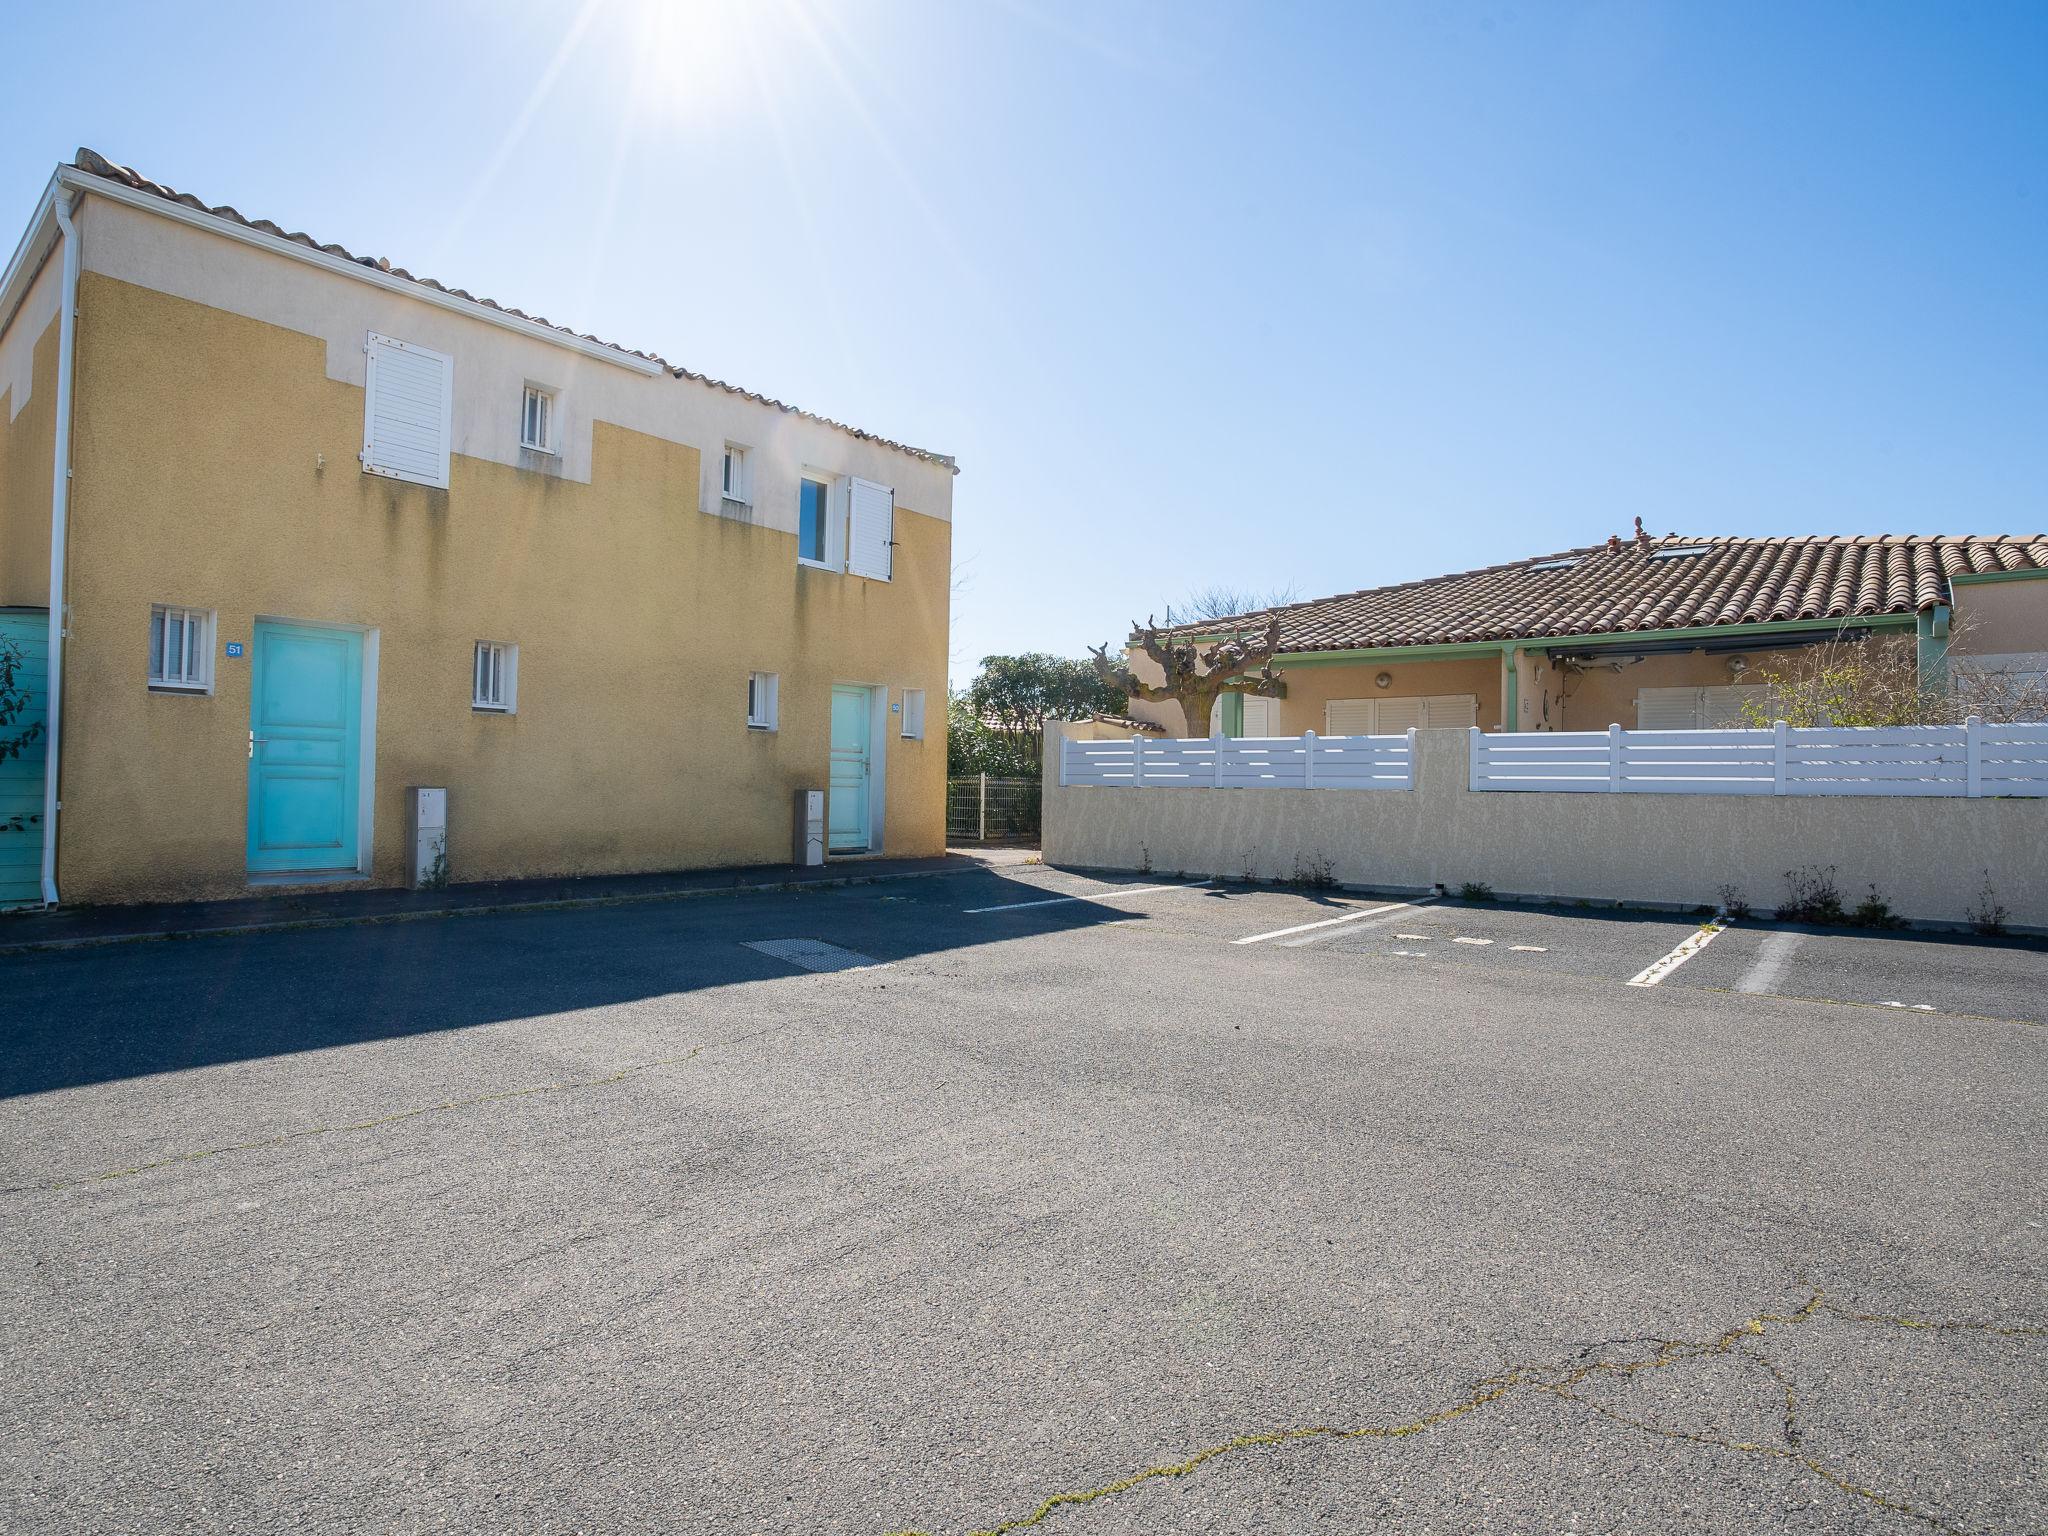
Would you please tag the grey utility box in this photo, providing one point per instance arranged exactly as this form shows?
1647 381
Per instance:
426 833
810 828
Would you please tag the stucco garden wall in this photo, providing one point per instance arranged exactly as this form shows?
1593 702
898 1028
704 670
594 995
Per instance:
1930 858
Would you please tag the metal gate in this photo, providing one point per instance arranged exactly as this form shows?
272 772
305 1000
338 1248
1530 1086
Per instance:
982 811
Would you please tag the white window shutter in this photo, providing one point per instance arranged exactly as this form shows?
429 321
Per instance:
408 398
1455 711
1392 717
1261 717
1667 709
1348 717
873 523
1721 707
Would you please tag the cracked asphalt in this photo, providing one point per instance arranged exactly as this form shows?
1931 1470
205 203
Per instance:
1080 1218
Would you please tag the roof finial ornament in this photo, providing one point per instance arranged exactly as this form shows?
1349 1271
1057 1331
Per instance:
1642 537
1614 543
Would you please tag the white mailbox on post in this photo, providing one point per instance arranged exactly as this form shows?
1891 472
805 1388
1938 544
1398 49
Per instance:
426 823
810 828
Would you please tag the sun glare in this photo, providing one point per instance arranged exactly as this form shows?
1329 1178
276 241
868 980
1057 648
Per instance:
699 61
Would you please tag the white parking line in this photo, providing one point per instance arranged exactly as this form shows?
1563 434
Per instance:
1328 922
1650 975
1461 939
1107 891
1769 967
1530 949
1371 920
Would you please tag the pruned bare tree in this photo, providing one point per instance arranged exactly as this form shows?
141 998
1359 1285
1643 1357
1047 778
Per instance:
1195 674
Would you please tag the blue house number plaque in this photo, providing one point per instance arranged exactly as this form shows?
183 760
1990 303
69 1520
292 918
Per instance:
234 647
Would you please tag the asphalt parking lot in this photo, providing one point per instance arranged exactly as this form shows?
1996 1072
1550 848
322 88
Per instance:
1026 1200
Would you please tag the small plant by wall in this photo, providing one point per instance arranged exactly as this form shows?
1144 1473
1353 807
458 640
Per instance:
1873 911
1733 904
1811 896
1314 871
1987 913
1475 890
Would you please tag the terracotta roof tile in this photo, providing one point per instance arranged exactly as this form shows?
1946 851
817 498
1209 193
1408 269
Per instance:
1669 583
95 164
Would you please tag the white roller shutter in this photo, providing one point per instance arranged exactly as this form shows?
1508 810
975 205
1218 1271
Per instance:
1348 717
870 544
408 394
1721 708
1261 717
1393 717
1457 711
1667 709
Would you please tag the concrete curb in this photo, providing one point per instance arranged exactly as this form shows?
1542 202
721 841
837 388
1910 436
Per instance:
482 909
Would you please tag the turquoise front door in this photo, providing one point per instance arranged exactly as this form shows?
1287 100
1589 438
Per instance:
24 712
846 807
305 748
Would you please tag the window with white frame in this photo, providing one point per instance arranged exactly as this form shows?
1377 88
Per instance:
537 420
913 714
734 484
763 701
180 649
494 684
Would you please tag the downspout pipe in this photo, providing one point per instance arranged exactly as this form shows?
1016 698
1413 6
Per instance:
60 513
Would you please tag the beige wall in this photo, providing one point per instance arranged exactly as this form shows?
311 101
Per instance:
2001 618
200 438
1311 686
28 438
1929 858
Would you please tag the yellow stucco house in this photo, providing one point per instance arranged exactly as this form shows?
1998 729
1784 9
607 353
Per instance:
286 533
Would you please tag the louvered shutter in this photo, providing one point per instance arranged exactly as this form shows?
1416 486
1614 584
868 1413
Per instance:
1456 711
1721 708
1261 717
873 529
1667 709
1394 717
1347 717
407 398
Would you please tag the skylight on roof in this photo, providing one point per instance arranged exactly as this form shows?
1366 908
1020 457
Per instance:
1555 565
1673 554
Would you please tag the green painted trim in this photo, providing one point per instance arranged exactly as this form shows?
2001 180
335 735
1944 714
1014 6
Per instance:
1511 688
1973 578
1468 652
1233 713
1389 653
1933 649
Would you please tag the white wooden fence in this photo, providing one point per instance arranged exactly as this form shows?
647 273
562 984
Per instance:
1972 759
1307 761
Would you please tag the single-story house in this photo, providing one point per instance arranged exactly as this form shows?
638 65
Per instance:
287 532
1648 633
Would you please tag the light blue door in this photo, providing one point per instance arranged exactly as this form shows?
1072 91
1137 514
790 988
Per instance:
846 808
24 711
305 749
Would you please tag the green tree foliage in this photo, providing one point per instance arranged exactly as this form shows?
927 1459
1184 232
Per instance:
997 725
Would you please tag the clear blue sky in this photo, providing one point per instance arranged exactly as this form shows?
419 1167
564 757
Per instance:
1196 293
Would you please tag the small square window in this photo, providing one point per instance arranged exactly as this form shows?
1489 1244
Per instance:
537 420
494 684
913 714
734 483
180 649
763 700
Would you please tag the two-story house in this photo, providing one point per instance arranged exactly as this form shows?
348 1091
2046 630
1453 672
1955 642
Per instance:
285 531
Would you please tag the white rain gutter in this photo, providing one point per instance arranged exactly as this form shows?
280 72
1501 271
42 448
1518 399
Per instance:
60 513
